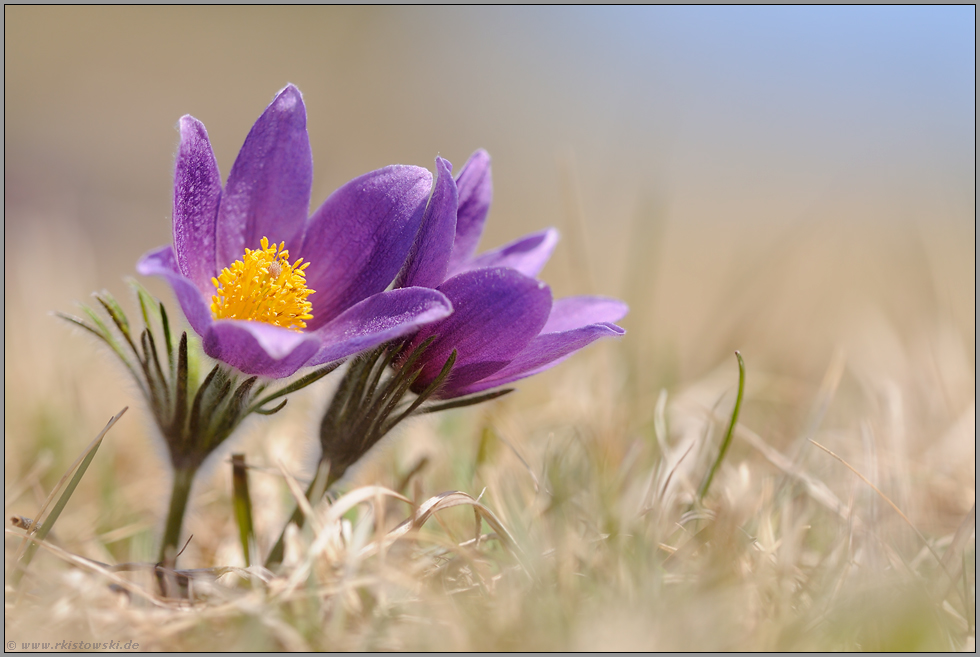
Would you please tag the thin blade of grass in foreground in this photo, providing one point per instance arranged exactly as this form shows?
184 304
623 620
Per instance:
71 469
243 506
82 465
703 490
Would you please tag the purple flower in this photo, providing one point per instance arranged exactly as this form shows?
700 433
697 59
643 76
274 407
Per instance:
504 326
271 290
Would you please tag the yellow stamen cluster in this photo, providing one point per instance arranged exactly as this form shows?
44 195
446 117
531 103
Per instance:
264 287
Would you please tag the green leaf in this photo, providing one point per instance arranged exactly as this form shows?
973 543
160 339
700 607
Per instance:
59 506
118 317
270 411
180 385
378 373
242 502
168 340
703 490
425 394
104 332
164 386
298 384
466 401
195 419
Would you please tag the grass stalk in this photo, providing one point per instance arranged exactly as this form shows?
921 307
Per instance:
706 484
242 501
46 526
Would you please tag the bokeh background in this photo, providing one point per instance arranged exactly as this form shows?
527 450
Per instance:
685 153
797 183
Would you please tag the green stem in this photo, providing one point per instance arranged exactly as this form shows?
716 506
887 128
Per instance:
183 479
731 429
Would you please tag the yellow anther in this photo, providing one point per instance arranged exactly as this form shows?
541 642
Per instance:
264 287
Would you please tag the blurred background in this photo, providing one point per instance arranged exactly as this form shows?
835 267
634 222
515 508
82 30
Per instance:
797 183
686 154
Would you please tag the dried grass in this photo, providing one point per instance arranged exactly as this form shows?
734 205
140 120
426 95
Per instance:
562 517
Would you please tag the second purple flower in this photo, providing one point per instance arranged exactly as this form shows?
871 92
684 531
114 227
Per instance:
505 325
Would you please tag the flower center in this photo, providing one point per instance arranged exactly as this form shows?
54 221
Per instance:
264 287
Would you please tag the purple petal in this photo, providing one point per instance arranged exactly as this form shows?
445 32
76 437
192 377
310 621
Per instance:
527 255
475 193
542 353
496 312
268 189
378 319
259 348
358 239
428 261
573 312
197 192
196 306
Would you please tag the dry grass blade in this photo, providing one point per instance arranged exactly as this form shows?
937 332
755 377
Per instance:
357 496
891 504
648 504
93 566
29 479
322 480
445 501
953 557
297 491
520 457
815 488
448 500
326 529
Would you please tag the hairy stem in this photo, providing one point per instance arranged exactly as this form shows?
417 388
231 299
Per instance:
183 479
